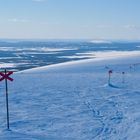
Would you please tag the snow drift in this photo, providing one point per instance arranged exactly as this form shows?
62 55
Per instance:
73 101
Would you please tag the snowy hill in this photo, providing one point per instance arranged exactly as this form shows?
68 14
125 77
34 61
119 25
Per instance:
73 101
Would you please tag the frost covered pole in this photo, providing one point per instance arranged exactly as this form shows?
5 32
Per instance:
109 78
5 76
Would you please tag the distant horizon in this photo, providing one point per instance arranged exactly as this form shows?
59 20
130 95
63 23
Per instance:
68 39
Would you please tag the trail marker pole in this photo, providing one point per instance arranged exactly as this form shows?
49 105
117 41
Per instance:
130 67
109 78
5 76
7 102
123 77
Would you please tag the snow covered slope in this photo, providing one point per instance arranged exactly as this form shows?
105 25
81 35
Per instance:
73 101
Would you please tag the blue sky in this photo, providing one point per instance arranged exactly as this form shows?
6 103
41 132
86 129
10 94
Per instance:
70 19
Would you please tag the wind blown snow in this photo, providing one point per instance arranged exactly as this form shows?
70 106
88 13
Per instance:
73 101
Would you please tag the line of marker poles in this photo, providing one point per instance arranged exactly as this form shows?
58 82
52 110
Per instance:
109 77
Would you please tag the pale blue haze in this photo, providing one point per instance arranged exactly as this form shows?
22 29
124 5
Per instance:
70 19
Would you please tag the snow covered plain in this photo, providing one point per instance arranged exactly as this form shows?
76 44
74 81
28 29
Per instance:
73 101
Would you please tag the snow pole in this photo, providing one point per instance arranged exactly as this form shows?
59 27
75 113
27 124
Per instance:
123 77
130 67
5 76
109 76
7 101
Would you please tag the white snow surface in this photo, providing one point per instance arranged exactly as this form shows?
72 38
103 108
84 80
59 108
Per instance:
73 101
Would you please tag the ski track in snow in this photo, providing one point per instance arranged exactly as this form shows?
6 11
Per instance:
74 103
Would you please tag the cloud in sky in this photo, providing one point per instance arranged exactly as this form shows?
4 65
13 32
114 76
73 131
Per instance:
18 20
132 27
101 26
128 27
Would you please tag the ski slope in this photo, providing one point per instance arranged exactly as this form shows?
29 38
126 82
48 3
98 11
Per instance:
73 101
